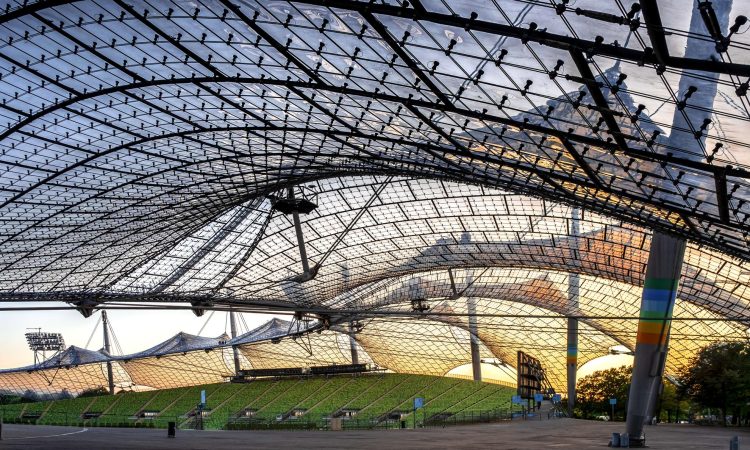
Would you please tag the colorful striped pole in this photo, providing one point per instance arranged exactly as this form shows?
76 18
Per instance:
572 362
572 345
665 256
573 291
659 293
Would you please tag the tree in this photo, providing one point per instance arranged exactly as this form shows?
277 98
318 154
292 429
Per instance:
595 390
671 403
719 377
94 392
64 395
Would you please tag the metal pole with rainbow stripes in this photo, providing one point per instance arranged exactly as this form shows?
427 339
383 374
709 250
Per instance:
573 292
652 340
666 253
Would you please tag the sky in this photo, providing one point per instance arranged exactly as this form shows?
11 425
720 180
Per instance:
135 330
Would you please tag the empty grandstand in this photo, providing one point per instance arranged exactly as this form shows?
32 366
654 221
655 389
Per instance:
363 401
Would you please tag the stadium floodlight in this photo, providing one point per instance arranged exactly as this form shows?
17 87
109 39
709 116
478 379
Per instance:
40 341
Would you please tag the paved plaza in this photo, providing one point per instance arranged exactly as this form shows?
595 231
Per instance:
562 434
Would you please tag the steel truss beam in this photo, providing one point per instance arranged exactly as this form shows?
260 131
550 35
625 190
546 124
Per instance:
419 13
652 19
539 36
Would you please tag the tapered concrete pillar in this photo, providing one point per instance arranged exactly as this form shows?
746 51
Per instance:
659 292
353 344
476 360
572 347
572 363
471 310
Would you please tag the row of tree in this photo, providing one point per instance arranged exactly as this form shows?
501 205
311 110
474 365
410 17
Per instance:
719 379
715 386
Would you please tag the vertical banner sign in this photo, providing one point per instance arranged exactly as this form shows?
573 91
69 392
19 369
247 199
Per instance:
203 397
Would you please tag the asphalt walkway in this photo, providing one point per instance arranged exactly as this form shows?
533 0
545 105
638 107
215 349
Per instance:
519 434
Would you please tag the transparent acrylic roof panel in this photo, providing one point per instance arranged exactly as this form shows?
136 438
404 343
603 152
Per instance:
135 124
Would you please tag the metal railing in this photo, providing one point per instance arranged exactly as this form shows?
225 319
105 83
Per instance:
103 420
424 418
484 380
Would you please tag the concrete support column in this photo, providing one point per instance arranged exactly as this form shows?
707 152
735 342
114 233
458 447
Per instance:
573 292
572 363
476 360
659 293
235 350
107 349
666 254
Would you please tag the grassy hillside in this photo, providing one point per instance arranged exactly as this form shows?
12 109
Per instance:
284 403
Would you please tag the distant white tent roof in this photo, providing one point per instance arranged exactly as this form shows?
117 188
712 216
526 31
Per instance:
179 343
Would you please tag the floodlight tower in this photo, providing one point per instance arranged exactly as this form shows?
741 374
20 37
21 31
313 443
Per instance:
107 350
43 342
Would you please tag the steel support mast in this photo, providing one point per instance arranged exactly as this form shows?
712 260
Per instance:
300 239
108 351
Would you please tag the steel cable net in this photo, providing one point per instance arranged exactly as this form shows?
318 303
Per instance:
145 147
